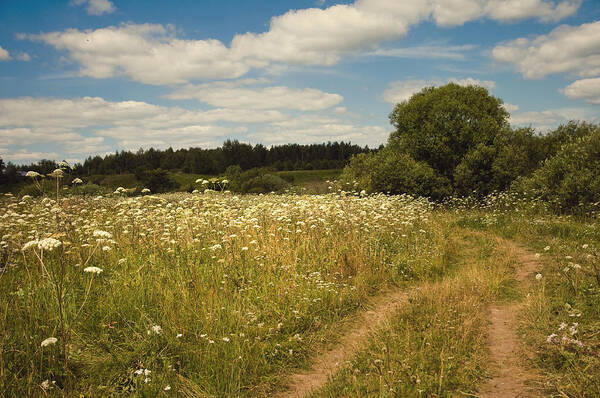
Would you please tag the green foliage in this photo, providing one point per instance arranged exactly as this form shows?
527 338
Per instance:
571 179
158 181
395 173
440 126
259 180
399 173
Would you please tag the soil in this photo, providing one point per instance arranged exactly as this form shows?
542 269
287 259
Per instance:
510 379
355 338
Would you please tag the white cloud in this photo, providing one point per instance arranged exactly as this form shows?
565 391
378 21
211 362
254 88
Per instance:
24 57
82 125
511 107
24 156
551 118
231 95
573 49
4 54
402 90
145 53
425 51
317 129
96 7
588 89
312 36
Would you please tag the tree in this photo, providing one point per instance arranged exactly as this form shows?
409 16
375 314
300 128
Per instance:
440 126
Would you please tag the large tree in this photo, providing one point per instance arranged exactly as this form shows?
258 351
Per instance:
441 126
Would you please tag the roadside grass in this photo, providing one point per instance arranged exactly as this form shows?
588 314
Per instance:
561 320
436 347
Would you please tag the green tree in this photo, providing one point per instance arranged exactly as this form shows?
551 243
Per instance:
440 126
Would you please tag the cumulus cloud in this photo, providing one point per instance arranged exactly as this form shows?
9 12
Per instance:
572 49
24 156
312 36
4 54
587 89
231 95
402 90
551 118
310 129
510 107
146 53
96 7
426 51
82 125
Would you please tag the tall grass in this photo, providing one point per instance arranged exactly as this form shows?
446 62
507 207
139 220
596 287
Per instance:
199 295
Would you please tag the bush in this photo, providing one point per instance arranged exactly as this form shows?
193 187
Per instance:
158 181
264 183
571 178
395 173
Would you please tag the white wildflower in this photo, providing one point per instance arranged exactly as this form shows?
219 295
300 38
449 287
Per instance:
93 270
157 329
48 244
32 174
49 341
102 234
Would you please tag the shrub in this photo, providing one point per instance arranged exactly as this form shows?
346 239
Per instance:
571 178
395 173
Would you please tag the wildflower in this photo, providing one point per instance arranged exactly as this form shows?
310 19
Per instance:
167 387
102 234
77 181
538 277
145 190
157 329
546 248
144 372
225 182
550 338
58 173
46 384
29 244
48 244
32 174
106 248
226 339
244 248
179 335
585 246
538 255
49 341
93 270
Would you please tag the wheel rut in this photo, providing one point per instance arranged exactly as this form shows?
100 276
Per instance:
511 378
354 338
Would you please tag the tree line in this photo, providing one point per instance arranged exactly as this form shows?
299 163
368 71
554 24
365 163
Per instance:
214 161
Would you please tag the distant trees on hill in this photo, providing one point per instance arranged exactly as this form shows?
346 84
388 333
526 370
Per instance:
215 161
331 155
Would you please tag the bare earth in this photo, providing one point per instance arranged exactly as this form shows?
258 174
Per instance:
511 379
355 338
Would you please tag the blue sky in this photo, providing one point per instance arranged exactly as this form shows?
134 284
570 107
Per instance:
87 77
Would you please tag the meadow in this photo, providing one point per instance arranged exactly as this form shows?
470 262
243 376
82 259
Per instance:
221 295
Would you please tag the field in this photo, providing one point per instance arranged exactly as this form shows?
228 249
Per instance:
222 295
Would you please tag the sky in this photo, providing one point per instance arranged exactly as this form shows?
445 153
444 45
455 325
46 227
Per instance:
80 78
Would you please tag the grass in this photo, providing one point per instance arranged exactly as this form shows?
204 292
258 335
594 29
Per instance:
216 294
220 295
436 346
561 321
